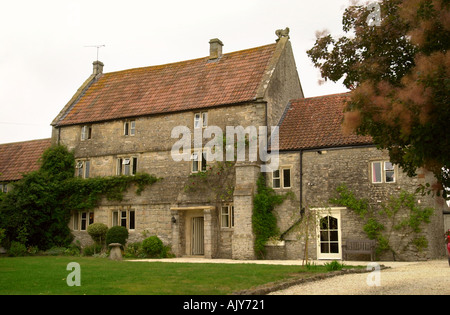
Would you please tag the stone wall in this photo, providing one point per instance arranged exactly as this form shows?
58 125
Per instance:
323 171
151 145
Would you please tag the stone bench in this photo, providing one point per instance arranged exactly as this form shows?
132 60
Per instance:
359 246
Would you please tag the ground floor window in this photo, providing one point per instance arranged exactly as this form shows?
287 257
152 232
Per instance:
125 218
81 220
227 216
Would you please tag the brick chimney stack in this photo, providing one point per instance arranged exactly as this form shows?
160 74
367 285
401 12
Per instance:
215 48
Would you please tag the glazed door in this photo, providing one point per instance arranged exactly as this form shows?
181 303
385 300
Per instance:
329 236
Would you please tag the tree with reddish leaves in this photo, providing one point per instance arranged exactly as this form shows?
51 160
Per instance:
398 69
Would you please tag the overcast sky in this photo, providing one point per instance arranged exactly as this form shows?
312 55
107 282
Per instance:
43 58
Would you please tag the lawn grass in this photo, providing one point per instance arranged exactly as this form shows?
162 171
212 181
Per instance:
47 275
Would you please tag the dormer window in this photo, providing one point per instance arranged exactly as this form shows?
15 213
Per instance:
129 128
86 132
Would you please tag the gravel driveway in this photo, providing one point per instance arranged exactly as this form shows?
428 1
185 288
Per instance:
419 278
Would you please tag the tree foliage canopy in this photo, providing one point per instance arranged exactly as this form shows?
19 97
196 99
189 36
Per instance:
398 72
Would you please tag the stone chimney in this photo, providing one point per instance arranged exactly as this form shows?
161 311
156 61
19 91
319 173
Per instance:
215 48
98 67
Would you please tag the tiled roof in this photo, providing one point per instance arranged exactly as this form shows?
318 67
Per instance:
21 157
186 85
315 122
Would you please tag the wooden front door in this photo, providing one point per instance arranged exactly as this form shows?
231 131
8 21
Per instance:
198 238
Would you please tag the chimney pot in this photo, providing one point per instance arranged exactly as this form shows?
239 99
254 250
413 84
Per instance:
98 67
215 48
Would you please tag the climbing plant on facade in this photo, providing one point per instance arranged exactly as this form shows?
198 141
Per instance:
396 225
37 210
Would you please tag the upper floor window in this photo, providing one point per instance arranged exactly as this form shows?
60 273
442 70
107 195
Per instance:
201 120
129 128
3 187
86 132
83 169
281 178
383 172
127 166
198 161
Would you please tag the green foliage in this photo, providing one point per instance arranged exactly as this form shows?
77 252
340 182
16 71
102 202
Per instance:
333 266
263 220
17 249
98 232
347 199
373 229
117 234
217 178
37 211
153 246
399 75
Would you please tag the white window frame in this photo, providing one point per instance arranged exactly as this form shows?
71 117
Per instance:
83 168
86 132
127 166
129 128
383 169
200 120
78 220
281 178
334 212
201 163
227 216
120 217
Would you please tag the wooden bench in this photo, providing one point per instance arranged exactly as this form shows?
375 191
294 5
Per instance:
358 246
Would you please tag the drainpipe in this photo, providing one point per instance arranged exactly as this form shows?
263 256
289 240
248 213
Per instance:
302 209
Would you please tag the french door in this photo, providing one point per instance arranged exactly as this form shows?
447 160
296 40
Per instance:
329 234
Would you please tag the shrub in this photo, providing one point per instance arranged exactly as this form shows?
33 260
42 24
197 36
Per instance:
117 234
134 250
17 249
92 250
98 232
153 246
333 266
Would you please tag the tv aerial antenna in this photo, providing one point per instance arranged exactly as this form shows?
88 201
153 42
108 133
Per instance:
96 46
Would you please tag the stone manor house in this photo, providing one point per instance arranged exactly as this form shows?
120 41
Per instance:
121 123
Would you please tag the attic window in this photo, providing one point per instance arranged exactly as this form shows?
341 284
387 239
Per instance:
86 132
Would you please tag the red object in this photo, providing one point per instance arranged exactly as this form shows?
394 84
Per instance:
448 245
448 249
